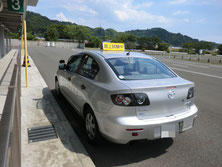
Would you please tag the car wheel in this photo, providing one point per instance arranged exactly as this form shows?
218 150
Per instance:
92 130
57 88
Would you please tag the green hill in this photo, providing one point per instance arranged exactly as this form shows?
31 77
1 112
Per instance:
168 37
37 24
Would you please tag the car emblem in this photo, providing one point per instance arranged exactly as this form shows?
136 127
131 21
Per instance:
171 94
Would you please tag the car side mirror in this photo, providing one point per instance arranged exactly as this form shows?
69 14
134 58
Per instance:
61 61
62 66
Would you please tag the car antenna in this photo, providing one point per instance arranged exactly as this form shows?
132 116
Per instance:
128 54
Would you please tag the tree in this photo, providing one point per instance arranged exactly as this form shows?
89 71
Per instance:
219 49
128 39
31 36
99 32
94 42
163 46
111 33
63 31
51 34
151 43
81 33
198 46
188 47
14 35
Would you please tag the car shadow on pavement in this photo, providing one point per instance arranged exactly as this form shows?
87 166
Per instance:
57 119
110 154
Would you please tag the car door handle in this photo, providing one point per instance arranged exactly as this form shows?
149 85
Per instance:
83 87
69 79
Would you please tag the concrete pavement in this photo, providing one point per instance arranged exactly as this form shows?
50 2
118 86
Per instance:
39 108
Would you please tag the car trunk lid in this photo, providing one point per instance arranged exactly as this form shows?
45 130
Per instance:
167 96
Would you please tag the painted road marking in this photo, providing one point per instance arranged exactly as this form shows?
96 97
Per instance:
180 65
190 64
194 72
217 66
194 65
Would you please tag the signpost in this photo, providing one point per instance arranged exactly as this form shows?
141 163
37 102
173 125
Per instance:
16 5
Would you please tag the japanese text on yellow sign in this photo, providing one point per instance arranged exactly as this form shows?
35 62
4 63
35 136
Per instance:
113 46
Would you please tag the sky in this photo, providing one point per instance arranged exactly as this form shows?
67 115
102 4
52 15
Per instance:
201 19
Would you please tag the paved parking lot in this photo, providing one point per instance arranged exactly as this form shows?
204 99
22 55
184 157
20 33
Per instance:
200 146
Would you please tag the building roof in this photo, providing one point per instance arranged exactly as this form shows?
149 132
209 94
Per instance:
11 21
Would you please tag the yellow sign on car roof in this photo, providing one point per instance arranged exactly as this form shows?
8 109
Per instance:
113 46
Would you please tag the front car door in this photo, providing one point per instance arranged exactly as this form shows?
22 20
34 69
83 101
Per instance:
84 82
71 72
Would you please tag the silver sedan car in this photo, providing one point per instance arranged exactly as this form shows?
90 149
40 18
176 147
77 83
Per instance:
126 96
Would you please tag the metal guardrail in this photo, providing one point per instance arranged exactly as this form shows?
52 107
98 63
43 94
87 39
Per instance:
180 55
10 124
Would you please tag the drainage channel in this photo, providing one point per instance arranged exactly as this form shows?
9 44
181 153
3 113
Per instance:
41 133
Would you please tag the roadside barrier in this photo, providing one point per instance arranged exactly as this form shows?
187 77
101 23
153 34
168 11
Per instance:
177 55
10 124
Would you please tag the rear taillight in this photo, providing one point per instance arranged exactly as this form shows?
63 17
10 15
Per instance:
190 93
136 99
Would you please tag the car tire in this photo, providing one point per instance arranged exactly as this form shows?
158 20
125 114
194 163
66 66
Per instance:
91 128
57 88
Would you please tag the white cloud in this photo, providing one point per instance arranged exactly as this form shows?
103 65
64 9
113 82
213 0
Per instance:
78 6
144 5
180 12
138 15
61 17
201 21
186 20
87 9
128 12
176 2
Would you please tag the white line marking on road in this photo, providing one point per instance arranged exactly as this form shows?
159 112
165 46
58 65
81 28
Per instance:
194 72
217 66
179 65
194 65
189 64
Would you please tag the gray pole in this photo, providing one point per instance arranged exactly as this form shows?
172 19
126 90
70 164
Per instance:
2 44
170 52
7 42
10 43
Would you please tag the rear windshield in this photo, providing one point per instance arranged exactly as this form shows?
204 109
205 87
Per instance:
132 68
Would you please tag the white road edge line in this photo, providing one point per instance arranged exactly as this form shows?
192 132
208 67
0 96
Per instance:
216 66
214 76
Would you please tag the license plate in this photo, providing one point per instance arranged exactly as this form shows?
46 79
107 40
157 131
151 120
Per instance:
168 131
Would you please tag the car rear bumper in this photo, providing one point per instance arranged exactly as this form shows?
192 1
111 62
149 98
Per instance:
125 129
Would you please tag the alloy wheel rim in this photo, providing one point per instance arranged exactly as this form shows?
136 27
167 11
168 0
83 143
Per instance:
90 126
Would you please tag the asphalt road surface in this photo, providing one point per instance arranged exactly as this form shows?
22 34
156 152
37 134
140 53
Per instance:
200 146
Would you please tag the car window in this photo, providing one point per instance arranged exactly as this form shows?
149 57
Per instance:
89 68
131 68
73 64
